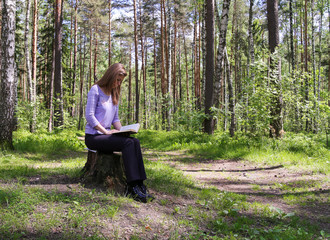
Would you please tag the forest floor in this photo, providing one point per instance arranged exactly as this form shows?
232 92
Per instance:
59 206
290 190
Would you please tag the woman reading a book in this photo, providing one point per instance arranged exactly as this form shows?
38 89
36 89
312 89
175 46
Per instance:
101 114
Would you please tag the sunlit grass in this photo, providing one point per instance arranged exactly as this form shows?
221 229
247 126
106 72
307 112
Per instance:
294 150
67 212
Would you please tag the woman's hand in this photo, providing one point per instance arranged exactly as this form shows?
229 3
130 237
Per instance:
109 132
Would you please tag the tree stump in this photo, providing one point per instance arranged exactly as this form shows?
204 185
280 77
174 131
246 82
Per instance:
106 168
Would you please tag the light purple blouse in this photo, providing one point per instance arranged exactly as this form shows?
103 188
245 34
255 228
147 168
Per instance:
99 110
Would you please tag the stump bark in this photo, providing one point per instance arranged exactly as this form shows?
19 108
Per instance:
107 169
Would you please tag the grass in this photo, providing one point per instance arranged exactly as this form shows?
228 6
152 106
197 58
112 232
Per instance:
41 197
308 152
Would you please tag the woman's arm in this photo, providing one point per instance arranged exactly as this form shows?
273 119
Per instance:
104 131
117 125
92 100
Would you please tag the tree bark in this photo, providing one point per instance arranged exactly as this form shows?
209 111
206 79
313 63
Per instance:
231 100
1 2
90 54
155 68
34 67
292 56
251 45
144 110
306 65
197 86
320 60
95 53
186 63
74 58
129 117
27 50
209 71
315 126
162 72
137 98
51 92
82 70
276 124
174 86
222 24
109 48
8 83
168 54
107 169
58 91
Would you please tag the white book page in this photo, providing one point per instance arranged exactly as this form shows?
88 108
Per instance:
129 128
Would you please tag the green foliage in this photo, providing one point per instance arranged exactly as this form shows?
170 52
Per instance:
308 151
49 143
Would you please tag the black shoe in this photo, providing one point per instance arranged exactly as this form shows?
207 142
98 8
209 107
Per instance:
144 190
135 193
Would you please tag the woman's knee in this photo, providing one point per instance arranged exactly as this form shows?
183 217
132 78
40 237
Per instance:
129 141
136 140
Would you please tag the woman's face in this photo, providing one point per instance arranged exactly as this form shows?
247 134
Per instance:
118 81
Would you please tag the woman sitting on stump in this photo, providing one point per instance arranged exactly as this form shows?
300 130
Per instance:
101 113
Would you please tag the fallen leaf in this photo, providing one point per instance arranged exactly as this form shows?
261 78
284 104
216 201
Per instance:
148 228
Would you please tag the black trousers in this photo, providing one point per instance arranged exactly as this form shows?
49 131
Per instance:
130 148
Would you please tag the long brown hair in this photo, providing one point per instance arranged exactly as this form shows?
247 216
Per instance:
108 81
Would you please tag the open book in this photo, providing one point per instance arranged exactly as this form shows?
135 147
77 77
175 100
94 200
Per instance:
133 128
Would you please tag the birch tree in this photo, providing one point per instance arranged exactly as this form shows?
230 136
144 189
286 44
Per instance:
222 25
8 84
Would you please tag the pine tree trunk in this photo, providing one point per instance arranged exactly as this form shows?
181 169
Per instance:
180 92
292 60
163 78
250 71
8 81
315 127
209 71
320 61
90 54
155 70
74 58
82 68
174 68
51 92
306 65
276 124
329 69
137 98
144 110
251 45
129 117
292 56
34 67
95 53
1 2
58 92
109 47
186 63
168 54
234 45
69 108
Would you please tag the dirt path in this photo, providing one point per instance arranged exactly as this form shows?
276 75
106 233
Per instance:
305 194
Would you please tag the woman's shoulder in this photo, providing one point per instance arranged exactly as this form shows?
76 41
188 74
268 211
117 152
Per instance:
94 89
